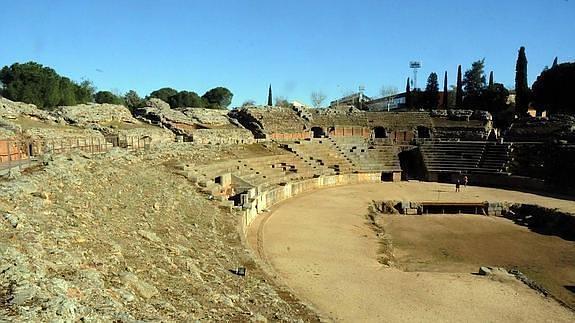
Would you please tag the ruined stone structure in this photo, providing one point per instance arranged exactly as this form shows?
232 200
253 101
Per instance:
243 161
197 125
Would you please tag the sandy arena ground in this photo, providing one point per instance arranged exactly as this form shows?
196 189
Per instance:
320 245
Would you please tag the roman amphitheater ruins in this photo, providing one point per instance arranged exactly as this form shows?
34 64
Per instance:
280 214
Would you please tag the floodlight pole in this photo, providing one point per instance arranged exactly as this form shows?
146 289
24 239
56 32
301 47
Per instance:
414 65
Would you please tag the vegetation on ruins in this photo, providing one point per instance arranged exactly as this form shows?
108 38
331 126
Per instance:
282 102
430 97
317 98
163 94
459 89
33 83
186 99
522 91
553 88
133 100
107 97
218 98
249 103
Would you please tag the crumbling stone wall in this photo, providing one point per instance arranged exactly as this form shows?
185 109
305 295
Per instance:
222 136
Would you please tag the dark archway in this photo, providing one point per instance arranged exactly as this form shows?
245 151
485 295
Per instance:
423 132
317 132
379 132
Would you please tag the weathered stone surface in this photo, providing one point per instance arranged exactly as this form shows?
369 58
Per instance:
95 113
484 271
82 255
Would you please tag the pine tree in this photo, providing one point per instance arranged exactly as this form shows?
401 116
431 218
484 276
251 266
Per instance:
445 92
408 95
431 92
521 87
490 80
459 89
270 102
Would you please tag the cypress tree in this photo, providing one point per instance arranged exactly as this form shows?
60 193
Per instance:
490 80
408 95
445 93
459 89
270 102
554 62
521 87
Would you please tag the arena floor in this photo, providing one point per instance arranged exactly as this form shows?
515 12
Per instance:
321 246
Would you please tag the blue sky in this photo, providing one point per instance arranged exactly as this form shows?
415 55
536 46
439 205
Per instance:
297 46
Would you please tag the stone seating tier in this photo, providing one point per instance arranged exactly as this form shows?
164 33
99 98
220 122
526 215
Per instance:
472 156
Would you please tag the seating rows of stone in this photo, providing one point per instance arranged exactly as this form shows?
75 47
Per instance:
322 154
366 157
468 156
262 172
496 157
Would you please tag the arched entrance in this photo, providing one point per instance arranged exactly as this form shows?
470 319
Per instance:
423 132
379 132
317 132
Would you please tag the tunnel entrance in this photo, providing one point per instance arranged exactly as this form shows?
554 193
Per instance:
317 132
379 132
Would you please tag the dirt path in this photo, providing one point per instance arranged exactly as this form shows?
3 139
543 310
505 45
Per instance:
320 245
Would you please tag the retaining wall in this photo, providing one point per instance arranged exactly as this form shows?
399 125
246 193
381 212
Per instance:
259 201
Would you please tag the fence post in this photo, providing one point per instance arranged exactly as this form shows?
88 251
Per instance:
8 142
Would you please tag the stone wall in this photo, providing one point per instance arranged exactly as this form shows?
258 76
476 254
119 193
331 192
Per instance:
259 201
222 136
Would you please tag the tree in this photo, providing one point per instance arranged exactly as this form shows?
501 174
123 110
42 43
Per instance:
445 92
33 83
386 91
408 102
186 99
133 100
490 80
282 102
553 89
67 92
459 89
473 84
218 98
163 94
85 92
431 94
521 87
554 62
494 98
249 103
317 98
107 97
270 103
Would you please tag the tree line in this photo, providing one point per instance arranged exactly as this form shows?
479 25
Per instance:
471 91
551 90
43 86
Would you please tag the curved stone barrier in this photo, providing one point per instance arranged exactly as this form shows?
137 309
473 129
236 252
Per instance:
256 201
